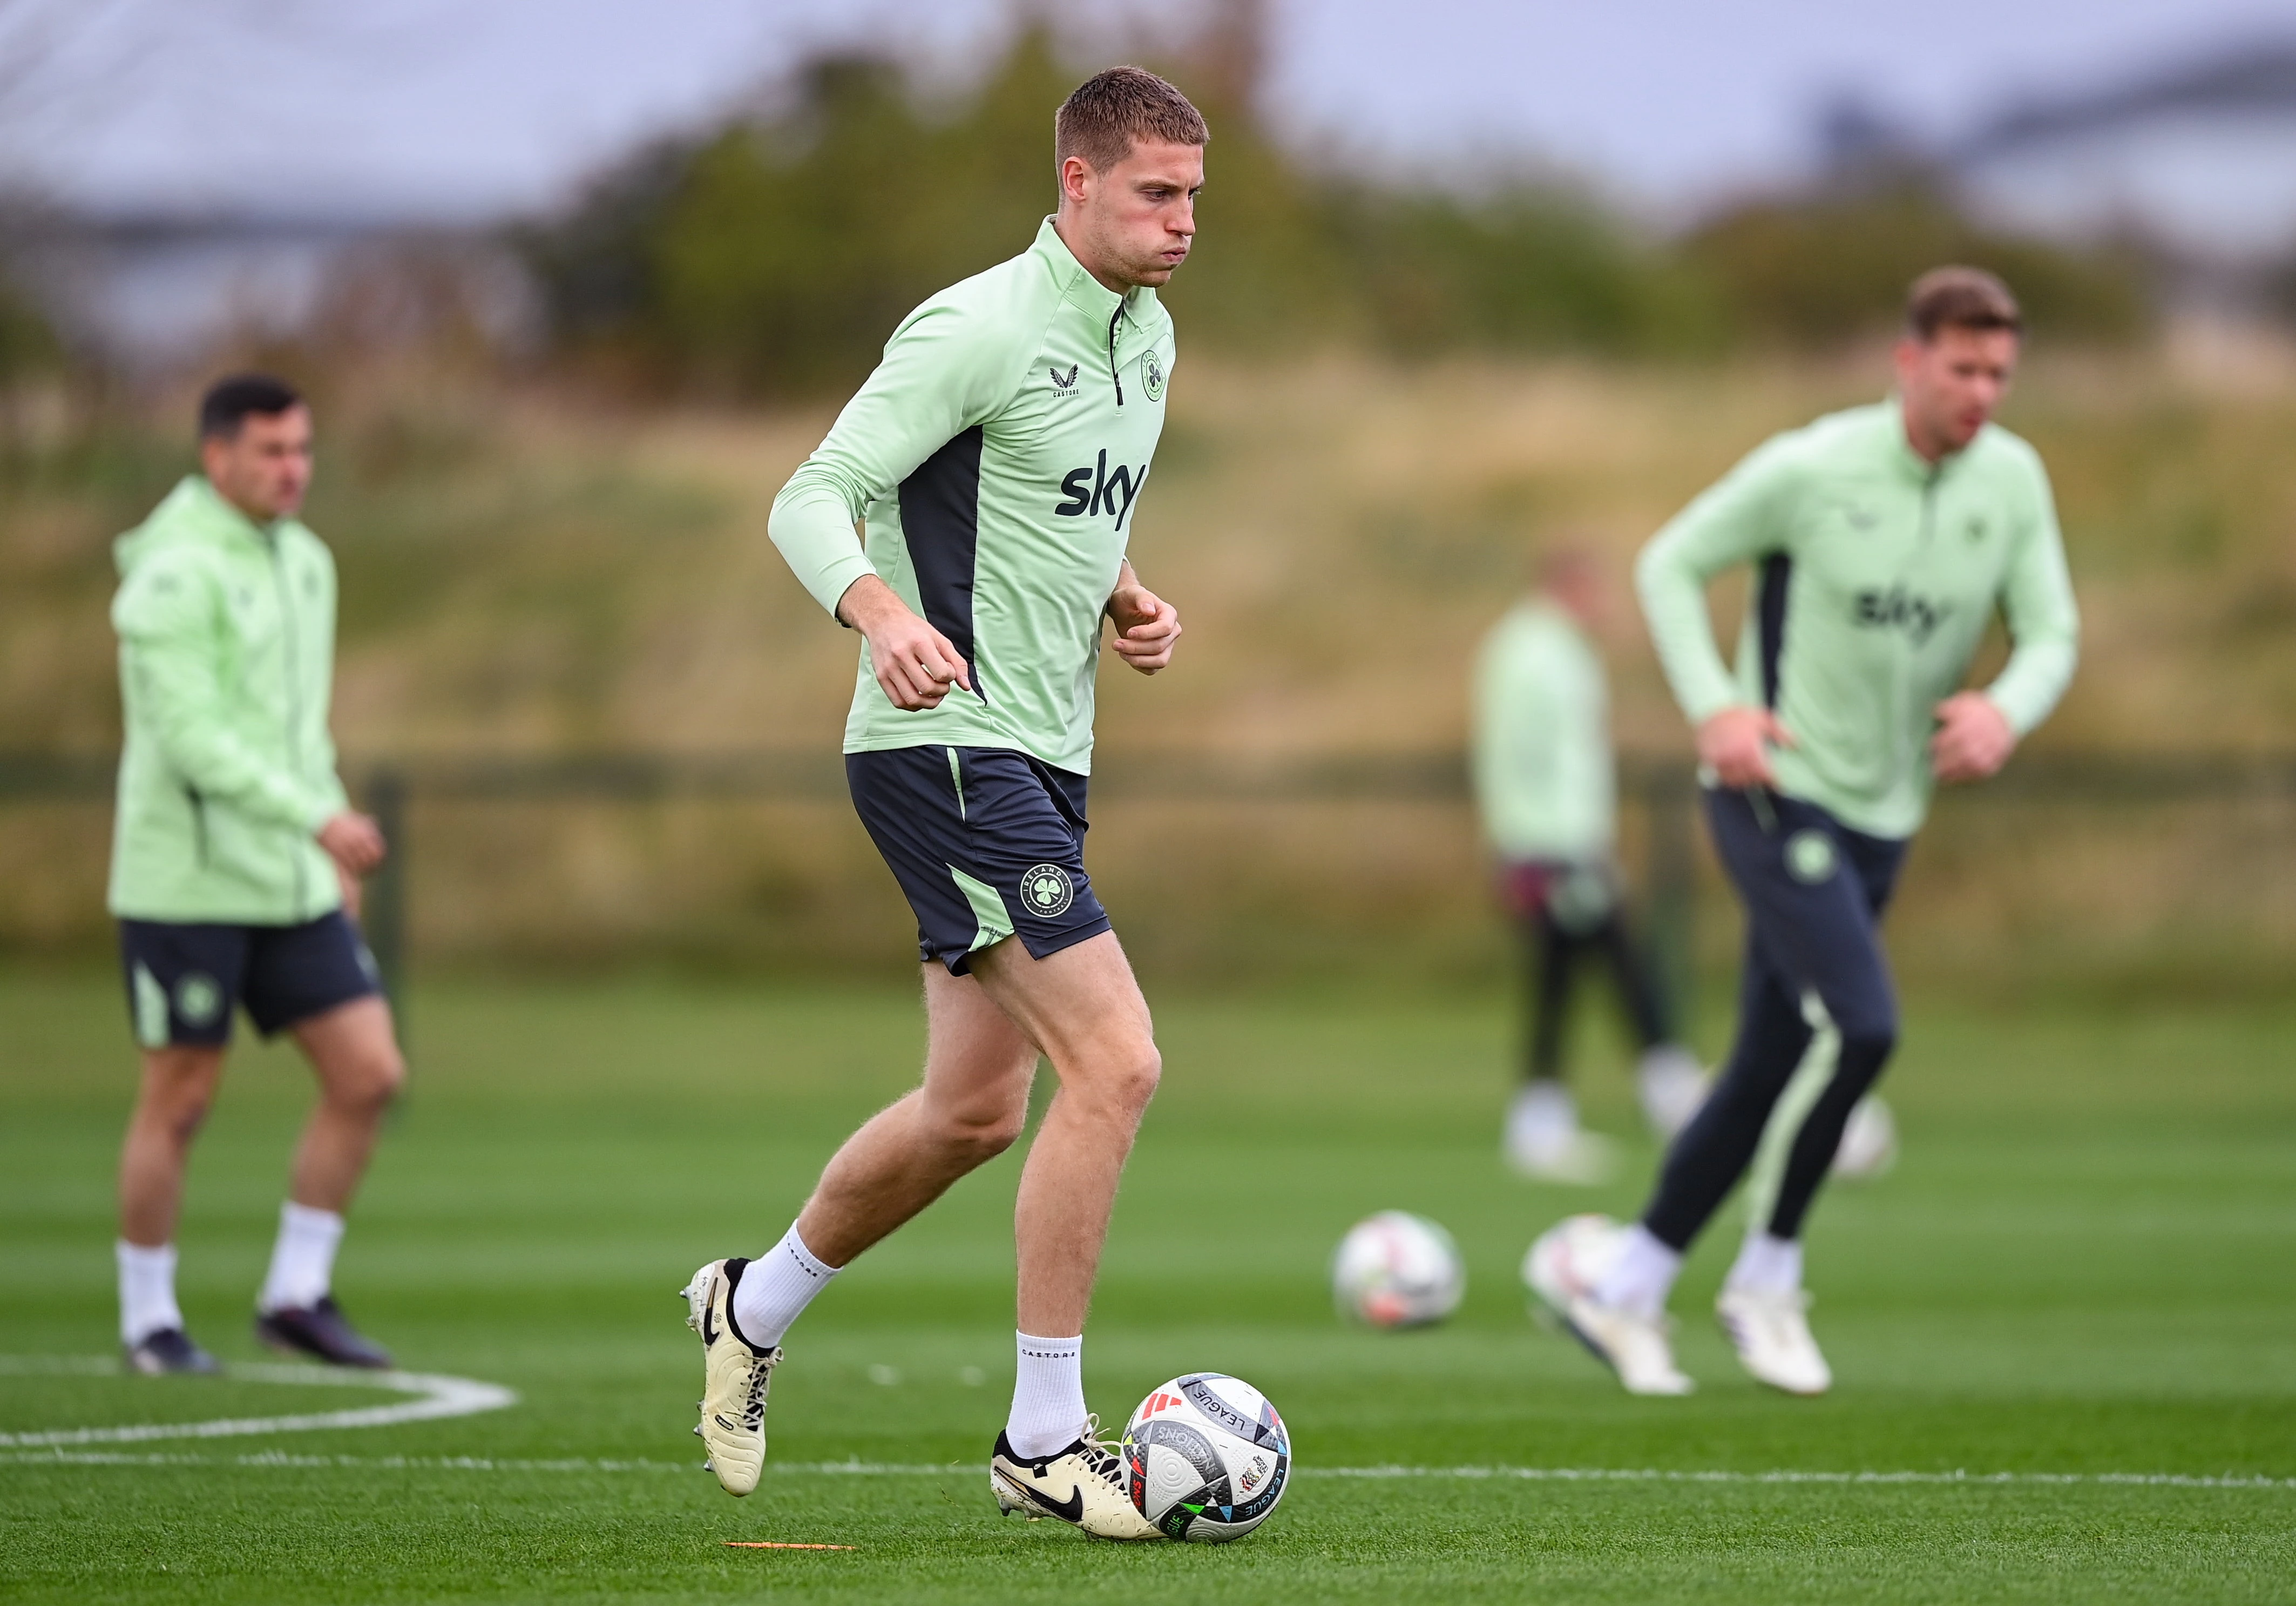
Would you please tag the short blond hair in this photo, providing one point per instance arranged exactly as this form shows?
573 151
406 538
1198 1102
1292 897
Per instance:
1110 111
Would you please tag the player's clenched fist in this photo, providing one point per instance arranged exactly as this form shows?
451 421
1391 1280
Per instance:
1147 627
915 662
353 841
1734 744
1973 737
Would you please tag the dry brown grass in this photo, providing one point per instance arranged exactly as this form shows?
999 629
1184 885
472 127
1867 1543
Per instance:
524 573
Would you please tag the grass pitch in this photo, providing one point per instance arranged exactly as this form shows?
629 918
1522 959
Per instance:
2077 1290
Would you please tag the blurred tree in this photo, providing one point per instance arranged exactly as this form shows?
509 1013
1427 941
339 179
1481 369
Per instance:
28 346
1820 271
1527 268
775 255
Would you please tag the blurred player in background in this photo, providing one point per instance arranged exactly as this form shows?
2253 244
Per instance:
1883 541
995 458
235 864
1547 787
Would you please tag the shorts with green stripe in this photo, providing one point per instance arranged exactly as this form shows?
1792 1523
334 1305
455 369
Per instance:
986 841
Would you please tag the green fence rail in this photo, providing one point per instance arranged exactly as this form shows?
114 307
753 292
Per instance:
1663 787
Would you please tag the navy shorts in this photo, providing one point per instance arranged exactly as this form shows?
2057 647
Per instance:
183 979
1814 892
987 843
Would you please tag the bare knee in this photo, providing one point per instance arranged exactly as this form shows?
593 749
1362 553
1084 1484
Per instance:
179 1118
982 1141
976 1135
1129 1081
366 1084
179 1089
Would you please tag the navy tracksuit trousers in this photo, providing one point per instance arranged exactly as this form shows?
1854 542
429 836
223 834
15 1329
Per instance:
1814 892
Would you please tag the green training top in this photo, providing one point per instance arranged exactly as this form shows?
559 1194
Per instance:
1875 575
995 457
227 662
1543 771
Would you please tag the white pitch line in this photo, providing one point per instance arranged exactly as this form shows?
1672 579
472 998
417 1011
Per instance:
1783 1476
1788 1475
436 1397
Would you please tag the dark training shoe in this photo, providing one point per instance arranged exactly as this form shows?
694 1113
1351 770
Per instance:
169 1350
321 1331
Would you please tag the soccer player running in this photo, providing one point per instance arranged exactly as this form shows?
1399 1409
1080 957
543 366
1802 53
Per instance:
1883 539
234 859
1547 785
997 457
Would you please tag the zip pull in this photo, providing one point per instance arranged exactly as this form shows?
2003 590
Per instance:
1114 318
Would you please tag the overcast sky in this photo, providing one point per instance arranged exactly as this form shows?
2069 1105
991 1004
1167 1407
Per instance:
447 108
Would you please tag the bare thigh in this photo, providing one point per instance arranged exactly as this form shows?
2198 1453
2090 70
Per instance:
979 1065
1082 1006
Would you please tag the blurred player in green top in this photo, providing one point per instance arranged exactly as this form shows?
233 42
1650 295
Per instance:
1546 785
1883 541
235 867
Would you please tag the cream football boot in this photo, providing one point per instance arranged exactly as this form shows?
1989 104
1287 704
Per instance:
1083 1485
734 1378
1562 1268
1772 1336
1636 1348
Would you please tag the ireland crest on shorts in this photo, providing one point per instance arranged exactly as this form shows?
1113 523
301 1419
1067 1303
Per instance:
1152 374
1047 891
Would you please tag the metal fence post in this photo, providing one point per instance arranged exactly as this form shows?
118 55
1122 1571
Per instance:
385 914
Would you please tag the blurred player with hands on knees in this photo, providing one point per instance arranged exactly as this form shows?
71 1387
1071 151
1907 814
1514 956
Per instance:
235 866
996 458
1883 541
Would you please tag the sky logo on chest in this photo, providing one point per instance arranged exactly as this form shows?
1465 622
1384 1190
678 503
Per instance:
1900 609
1097 488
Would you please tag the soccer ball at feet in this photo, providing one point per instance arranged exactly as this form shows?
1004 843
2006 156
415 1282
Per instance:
1569 1258
1395 1269
1206 1458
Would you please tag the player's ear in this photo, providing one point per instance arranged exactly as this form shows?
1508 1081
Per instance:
1076 179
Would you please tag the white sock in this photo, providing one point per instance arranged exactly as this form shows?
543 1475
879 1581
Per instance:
1640 1277
302 1258
1048 1414
1766 1266
1545 1107
775 1288
147 1290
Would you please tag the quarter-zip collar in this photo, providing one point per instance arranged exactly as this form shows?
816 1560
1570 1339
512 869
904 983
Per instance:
1079 289
1910 462
1077 283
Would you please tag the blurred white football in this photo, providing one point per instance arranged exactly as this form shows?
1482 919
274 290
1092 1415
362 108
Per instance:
1395 1269
1206 1458
1869 1143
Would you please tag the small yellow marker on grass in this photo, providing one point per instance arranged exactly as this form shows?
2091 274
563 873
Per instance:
779 1545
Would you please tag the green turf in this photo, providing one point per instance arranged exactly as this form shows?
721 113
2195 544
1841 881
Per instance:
2084 1266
